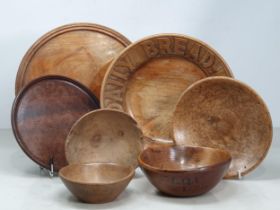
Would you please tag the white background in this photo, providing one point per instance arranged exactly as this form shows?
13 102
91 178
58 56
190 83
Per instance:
245 33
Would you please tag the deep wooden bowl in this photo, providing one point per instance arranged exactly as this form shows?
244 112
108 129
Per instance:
96 182
184 171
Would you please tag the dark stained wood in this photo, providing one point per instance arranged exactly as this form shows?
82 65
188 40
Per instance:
184 171
104 136
223 113
78 51
96 182
148 77
43 114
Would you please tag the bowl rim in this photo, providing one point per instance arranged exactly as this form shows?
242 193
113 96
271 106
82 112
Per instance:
196 169
126 177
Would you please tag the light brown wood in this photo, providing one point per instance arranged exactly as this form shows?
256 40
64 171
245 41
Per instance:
148 77
104 136
96 182
223 113
184 171
148 142
78 51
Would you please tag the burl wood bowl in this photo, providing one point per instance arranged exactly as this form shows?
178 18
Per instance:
224 113
96 182
184 170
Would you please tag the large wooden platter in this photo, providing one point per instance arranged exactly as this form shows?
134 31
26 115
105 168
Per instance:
104 136
79 51
43 114
223 113
149 76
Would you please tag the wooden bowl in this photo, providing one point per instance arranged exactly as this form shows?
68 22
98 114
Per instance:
81 51
148 77
104 136
96 182
184 171
221 112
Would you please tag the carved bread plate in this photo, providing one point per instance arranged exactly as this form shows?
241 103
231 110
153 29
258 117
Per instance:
148 77
104 136
224 113
43 114
79 51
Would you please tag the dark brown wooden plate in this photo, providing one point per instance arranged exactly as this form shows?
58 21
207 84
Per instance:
43 114
224 113
79 51
149 76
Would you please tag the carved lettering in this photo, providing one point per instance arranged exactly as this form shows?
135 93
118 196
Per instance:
179 46
165 46
193 50
112 83
121 75
141 53
206 58
112 105
115 94
150 48
126 63
218 68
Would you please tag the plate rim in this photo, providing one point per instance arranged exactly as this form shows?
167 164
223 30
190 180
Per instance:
159 35
42 40
18 99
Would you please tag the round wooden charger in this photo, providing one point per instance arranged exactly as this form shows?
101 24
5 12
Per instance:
43 114
104 136
224 113
149 76
79 51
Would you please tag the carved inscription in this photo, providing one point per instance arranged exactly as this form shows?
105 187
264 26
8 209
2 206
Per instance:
155 47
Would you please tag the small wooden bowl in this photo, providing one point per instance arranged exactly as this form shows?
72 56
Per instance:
96 182
105 135
183 170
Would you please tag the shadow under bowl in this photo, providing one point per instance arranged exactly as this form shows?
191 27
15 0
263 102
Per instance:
96 182
184 170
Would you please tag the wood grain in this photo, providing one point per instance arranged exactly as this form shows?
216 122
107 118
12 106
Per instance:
43 114
223 113
96 182
184 171
104 136
78 51
148 77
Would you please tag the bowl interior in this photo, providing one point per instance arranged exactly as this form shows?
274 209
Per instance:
96 173
182 158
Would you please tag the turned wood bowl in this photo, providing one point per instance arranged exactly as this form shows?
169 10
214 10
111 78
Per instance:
183 170
104 136
96 182
224 113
